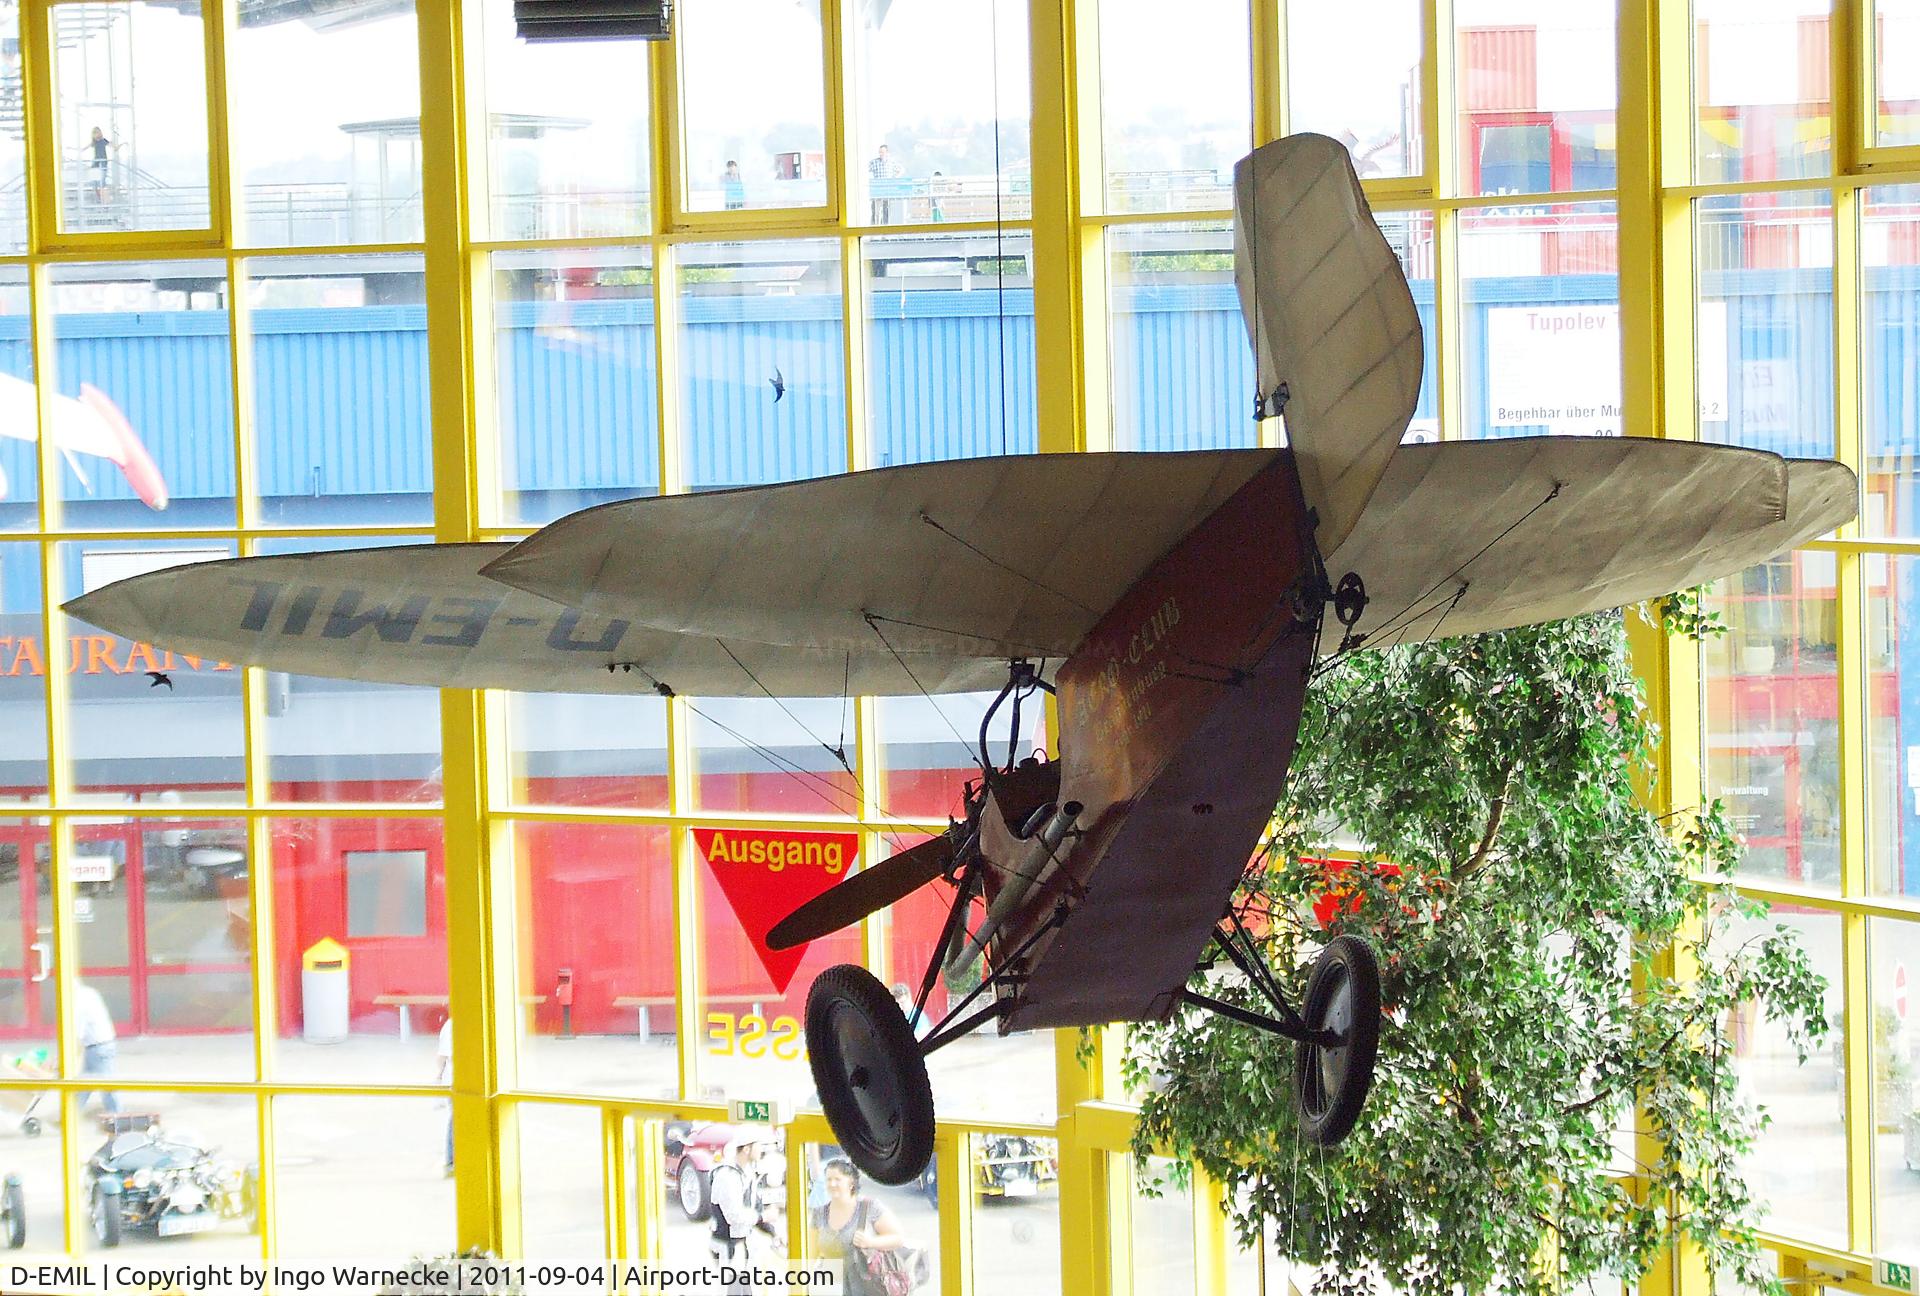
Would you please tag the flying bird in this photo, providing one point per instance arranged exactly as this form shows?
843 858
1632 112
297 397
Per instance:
159 678
779 385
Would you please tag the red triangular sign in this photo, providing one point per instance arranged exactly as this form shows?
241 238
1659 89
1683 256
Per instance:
767 875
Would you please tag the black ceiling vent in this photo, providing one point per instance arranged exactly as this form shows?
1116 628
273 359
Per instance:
562 20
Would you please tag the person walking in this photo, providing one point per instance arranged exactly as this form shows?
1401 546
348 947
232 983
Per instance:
852 1228
737 1209
99 1043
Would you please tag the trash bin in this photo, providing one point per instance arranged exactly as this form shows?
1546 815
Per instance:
323 992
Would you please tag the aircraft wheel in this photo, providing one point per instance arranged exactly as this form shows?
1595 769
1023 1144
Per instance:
871 1077
1330 1082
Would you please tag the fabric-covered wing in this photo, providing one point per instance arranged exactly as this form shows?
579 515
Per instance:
1330 315
1633 519
423 614
1003 557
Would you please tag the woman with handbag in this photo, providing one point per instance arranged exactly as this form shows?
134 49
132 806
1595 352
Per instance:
864 1235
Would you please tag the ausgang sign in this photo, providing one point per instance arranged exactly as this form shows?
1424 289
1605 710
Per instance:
766 875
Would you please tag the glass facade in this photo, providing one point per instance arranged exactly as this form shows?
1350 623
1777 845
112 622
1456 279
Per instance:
273 285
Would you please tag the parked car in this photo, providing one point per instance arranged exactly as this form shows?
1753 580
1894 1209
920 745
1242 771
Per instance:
146 1177
1010 1166
694 1150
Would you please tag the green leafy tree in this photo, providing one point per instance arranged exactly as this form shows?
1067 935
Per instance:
1525 928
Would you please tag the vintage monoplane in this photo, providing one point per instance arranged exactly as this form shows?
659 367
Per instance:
1176 604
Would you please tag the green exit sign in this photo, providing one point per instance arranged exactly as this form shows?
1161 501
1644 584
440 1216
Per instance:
750 1111
1894 1274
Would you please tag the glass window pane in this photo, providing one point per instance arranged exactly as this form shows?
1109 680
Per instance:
23 678
1769 698
1542 320
942 88
1179 363
327 1151
132 81
1893 717
131 738
567 139
340 399
587 750
762 355
930 748
1894 951
1536 93
950 347
19 433
1765 322
751 94
1760 89
325 127
596 928
13 145
561 1186
143 371
221 1131
1163 1237
1176 103
1797 1167
1890 360
1016 1233
1364 94
575 381
1896 28
375 1018
164 926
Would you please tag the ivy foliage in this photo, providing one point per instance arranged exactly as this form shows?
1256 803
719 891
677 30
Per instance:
1529 930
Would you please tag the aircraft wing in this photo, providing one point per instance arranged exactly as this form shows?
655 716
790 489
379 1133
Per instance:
423 614
1330 315
1633 519
1011 556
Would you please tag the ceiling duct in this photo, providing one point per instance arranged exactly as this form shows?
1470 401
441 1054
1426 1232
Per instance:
563 20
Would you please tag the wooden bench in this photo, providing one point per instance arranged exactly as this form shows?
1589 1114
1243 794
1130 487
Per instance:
406 1003
641 1003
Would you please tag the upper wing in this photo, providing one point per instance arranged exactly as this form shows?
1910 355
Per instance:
1015 556
1330 315
1632 519
423 614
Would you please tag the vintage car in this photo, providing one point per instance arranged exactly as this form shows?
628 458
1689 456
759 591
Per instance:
13 1213
147 1177
694 1150
1011 1166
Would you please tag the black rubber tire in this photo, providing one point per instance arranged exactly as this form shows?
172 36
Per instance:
690 1176
105 1209
871 1077
1330 1084
13 1212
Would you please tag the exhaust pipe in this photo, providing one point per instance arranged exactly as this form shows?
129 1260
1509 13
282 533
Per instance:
1037 864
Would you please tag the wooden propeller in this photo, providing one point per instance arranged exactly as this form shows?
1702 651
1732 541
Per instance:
867 891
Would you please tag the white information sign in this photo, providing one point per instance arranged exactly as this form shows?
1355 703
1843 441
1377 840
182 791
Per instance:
1559 366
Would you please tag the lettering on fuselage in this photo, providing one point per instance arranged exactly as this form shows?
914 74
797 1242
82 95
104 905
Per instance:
449 621
1144 652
